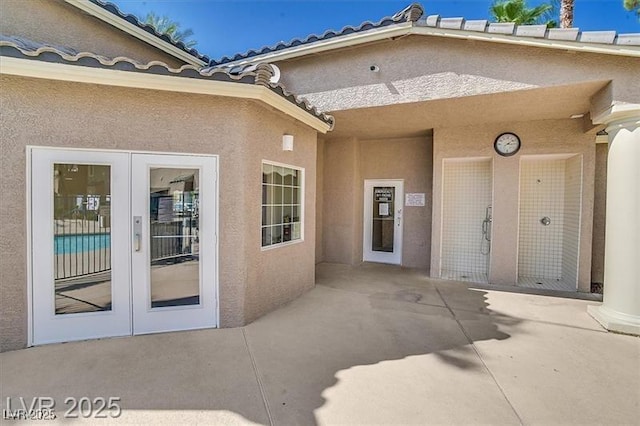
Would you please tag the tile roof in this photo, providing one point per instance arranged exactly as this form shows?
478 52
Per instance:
112 8
410 13
530 31
17 47
414 14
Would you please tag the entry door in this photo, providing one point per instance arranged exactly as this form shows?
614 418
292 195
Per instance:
121 243
382 236
173 242
79 238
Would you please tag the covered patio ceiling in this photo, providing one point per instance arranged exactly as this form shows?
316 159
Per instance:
420 118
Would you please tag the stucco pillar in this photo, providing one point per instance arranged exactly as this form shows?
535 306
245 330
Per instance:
620 310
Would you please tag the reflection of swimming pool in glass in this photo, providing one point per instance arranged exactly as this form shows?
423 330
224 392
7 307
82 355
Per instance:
77 243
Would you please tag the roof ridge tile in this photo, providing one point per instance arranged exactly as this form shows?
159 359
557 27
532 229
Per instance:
567 34
479 25
537 31
632 39
452 23
507 28
604 37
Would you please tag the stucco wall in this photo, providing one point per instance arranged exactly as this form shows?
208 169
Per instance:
47 113
428 67
58 23
279 274
340 199
541 137
347 163
411 160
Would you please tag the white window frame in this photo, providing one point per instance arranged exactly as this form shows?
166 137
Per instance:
301 201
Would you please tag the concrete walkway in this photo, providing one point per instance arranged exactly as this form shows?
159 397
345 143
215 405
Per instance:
374 344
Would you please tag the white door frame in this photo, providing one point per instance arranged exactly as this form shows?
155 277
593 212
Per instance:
368 255
84 156
47 327
147 319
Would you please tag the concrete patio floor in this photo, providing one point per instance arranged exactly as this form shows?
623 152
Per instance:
373 344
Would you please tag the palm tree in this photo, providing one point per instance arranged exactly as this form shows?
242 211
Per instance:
164 25
518 12
566 13
632 5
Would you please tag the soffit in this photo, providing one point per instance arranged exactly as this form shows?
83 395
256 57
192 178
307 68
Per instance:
418 118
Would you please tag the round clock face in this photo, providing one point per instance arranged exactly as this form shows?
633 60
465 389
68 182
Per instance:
507 144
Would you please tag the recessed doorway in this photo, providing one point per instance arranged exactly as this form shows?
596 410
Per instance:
382 234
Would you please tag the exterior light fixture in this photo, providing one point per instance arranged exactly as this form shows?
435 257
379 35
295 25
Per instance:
287 142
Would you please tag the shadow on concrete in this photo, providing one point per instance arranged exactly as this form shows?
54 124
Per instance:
367 342
382 328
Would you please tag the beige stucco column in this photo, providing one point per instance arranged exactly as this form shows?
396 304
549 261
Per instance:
620 310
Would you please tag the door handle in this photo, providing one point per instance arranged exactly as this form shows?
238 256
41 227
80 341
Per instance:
137 233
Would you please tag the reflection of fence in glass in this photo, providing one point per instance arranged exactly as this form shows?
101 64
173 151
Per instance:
174 227
82 235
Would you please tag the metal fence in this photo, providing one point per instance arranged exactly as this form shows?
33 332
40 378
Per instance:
82 235
174 227
173 240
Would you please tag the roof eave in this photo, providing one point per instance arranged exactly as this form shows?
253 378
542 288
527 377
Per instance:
110 77
573 46
376 34
409 28
135 31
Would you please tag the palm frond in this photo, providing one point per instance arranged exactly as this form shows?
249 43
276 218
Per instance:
165 25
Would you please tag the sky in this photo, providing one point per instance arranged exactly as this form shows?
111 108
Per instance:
223 28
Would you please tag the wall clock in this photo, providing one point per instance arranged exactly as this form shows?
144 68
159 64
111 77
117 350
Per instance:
507 144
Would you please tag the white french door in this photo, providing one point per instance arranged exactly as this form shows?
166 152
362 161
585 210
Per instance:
382 233
117 240
79 215
173 247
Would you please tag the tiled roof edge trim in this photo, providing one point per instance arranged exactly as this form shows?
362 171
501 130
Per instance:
531 31
410 13
90 60
121 63
132 19
301 101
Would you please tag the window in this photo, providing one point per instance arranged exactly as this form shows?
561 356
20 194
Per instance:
281 204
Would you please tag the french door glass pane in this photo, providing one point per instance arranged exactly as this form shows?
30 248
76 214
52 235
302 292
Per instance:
82 238
174 236
383 219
